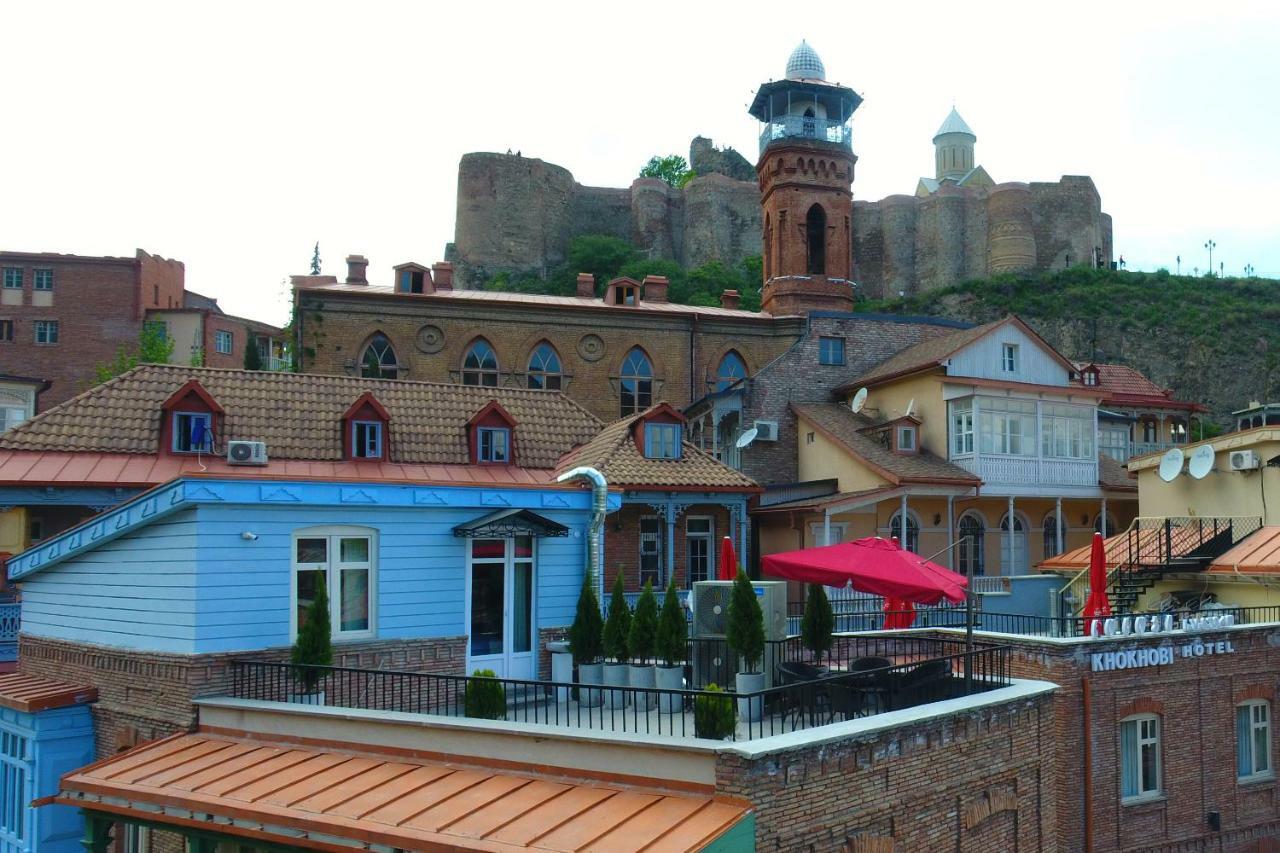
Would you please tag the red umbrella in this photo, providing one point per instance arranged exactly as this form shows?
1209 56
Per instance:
728 561
1097 607
872 565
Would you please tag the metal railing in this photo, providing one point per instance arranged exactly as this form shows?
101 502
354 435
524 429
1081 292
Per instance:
805 127
640 710
10 622
1078 626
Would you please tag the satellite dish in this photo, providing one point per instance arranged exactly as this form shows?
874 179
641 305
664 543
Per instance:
911 405
1201 462
859 400
1171 465
746 438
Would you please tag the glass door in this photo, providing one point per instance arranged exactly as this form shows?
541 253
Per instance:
500 606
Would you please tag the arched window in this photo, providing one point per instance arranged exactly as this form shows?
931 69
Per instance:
637 382
544 368
970 550
1111 530
909 538
815 226
379 359
732 368
480 365
1051 535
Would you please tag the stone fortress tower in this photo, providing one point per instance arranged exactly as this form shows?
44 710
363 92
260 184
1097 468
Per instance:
517 213
806 172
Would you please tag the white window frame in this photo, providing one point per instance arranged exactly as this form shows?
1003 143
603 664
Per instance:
221 335
46 326
332 567
207 417
908 433
1006 422
662 441
710 537
823 341
38 275
483 433
904 535
1143 738
15 279
367 449
1066 431
1258 722
1009 358
654 539
961 424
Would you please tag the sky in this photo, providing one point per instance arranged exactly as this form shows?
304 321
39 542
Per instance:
234 136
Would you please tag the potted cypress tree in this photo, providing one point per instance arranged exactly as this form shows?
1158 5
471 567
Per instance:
745 635
643 644
672 646
617 631
312 650
817 623
584 642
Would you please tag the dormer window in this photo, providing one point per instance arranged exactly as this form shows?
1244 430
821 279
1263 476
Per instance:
192 432
1089 376
493 445
1009 358
412 281
366 439
906 439
625 295
662 441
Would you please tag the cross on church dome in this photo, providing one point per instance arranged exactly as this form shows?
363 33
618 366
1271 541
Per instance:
804 64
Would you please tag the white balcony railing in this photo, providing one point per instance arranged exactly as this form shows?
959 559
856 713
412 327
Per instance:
1031 470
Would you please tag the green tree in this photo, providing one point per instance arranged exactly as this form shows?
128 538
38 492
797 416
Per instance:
617 628
599 254
252 358
643 641
584 633
673 629
745 630
315 263
313 647
154 347
818 622
673 169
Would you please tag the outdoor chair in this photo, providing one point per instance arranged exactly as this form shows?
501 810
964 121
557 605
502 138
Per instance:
806 694
925 682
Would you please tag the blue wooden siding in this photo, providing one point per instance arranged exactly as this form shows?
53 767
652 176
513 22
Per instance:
135 592
982 359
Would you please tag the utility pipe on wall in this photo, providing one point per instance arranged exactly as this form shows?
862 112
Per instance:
595 528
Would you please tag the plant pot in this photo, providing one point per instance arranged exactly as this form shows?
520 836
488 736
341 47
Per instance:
315 697
670 678
643 675
590 673
752 709
561 671
615 675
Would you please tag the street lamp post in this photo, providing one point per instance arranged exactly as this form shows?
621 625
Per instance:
1210 245
1248 270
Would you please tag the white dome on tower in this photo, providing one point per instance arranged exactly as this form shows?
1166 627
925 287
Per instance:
804 64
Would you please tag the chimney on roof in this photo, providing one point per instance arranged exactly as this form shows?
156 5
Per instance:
730 299
356 265
655 288
586 285
442 275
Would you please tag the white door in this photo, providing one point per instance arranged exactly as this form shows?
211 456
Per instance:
1020 565
500 580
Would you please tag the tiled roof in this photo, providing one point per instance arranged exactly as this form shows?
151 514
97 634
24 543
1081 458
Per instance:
299 416
843 426
517 299
1123 384
1257 553
926 354
277 792
1113 475
614 453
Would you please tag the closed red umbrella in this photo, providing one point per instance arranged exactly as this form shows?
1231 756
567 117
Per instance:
1098 606
872 565
728 561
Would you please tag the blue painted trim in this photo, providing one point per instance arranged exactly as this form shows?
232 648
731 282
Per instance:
64 496
187 492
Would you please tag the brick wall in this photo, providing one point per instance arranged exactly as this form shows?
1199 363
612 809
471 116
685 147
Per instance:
979 781
622 543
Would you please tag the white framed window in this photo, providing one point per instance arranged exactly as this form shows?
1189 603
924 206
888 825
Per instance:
6 331
662 441
651 551
1009 358
1140 758
366 439
700 538
192 432
222 341
493 444
1253 741
342 560
907 439
46 332
1007 427
137 839
1089 377
908 537
1066 432
42 280
13 278
962 427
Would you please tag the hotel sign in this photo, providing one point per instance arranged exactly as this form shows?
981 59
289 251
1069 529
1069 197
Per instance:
1159 656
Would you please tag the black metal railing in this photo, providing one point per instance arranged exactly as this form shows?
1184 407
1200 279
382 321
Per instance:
1078 626
840 694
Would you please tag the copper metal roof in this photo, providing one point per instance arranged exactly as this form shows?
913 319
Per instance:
29 694
300 794
1258 553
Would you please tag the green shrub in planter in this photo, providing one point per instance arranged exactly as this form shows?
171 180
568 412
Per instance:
713 716
485 699
745 629
817 623
584 633
313 648
673 629
643 640
617 628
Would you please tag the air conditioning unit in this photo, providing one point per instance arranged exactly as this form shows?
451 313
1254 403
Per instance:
1245 460
766 430
714 661
246 453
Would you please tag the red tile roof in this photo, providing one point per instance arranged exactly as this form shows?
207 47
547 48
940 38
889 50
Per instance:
1125 385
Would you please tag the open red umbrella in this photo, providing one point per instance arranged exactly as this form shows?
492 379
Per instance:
872 565
1098 606
728 569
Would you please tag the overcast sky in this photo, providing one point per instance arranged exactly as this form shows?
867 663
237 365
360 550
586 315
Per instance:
233 136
